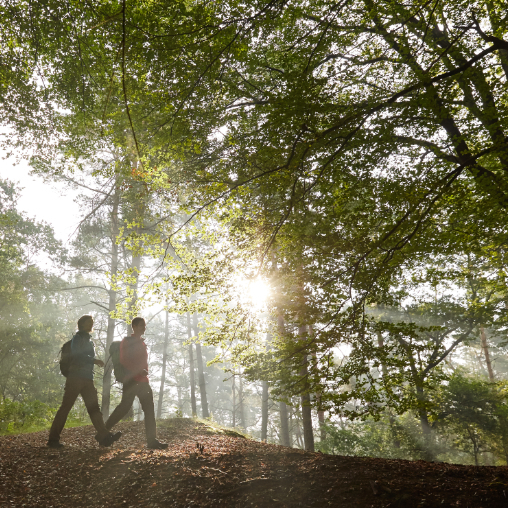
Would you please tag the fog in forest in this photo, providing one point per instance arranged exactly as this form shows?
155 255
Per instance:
306 204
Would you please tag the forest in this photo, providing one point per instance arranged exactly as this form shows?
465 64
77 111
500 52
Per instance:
304 200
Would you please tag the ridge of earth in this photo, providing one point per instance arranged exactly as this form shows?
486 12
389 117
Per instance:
226 469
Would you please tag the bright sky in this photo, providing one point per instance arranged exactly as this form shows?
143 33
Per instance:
48 202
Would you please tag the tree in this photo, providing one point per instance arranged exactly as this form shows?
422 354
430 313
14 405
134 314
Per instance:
164 364
201 373
366 139
33 317
370 182
192 381
469 409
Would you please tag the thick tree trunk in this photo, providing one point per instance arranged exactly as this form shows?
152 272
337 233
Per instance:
284 424
110 334
485 348
164 361
201 373
308 433
264 411
191 370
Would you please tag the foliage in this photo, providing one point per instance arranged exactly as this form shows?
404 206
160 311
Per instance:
29 416
353 154
468 420
363 157
24 415
389 437
26 304
473 414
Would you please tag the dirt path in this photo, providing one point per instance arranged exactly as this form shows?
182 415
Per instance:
232 471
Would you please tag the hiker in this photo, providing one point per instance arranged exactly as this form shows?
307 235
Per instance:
134 358
80 382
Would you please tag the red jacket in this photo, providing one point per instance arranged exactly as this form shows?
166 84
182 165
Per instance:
134 357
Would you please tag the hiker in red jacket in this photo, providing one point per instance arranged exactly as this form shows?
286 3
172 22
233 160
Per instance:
134 357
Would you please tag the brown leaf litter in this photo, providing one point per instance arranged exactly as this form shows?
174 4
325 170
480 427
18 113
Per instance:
209 467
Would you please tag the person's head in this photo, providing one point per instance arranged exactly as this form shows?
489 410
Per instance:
85 324
138 326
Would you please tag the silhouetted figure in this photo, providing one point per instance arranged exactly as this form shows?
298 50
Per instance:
134 358
80 382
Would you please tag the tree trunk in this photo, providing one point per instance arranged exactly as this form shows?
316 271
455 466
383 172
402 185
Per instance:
320 412
136 255
321 419
233 388
136 270
284 424
396 441
308 433
283 409
139 214
191 370
264 411
381 344
492 379
426 429
265 398
164 361
485 348
110 334
475 446
241 408
298 433
201 374
290 425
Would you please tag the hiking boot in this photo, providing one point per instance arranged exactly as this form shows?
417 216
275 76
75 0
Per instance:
156 445
109 439
55 444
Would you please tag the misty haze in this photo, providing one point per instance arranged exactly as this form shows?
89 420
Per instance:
253 253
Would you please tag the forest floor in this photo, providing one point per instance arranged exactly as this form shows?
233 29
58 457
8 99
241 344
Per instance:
231 471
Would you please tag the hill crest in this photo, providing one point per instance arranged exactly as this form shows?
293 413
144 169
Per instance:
231 470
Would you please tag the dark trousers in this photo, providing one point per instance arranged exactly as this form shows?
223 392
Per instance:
144 393
73 388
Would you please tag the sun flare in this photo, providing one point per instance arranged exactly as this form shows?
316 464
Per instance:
258 292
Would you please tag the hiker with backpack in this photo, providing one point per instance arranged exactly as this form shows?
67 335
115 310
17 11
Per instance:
76 364
131 368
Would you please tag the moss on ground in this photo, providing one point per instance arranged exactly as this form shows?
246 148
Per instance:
208 426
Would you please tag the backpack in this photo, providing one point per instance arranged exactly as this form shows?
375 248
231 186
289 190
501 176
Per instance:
65 358
119 370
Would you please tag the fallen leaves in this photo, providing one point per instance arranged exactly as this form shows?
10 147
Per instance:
209 469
